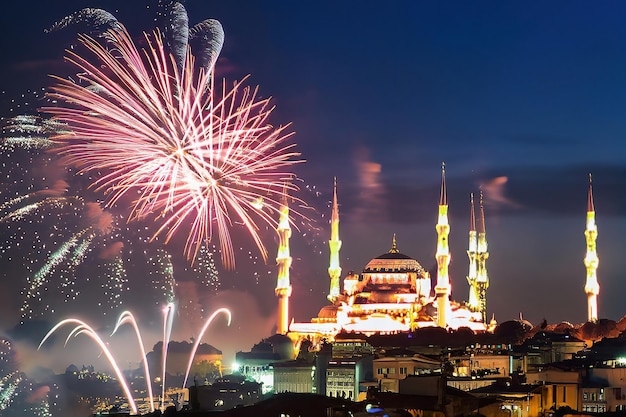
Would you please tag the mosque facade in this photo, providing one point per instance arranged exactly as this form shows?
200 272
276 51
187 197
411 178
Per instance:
393 293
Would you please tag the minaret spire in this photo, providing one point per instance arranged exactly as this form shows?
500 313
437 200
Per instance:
443 194
283 259
482 278
334 268
590 205
442 289
394 245
472 249
592 288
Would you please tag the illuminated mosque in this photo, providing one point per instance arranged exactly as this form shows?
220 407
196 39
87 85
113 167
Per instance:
394 294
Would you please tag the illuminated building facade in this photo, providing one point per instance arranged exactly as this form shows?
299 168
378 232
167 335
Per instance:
477 277
393 293
349 369
442 290
482 279
283 259
389 370
334 269
592 288
258 364
294 376
472 253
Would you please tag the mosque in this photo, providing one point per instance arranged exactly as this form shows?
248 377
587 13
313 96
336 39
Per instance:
394 294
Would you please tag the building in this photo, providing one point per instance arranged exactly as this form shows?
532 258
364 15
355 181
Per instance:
393 293
207 360
227 392
294 376
348 370
390 369
258 364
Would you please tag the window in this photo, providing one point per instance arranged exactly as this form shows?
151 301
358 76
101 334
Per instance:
403 371
617 393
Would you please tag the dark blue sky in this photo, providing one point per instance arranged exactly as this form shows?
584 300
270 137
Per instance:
531 91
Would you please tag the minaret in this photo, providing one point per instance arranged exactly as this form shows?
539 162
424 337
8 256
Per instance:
472 250
283 259
334 269
482 279
592 288
442 289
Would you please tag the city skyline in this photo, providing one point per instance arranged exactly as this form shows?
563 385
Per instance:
522 102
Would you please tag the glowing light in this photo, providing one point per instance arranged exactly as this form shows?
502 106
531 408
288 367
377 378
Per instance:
591 261
127 317
159 131
199 339
168 317
84 328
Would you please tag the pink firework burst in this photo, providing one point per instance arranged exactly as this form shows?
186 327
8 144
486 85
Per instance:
194 158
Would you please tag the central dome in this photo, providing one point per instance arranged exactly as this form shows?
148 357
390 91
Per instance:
394 261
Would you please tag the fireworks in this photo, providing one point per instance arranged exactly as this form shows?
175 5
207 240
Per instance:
10 378
73 253
84 328
159 134
200 336
128 317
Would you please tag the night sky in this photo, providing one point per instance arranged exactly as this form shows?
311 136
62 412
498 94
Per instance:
521 99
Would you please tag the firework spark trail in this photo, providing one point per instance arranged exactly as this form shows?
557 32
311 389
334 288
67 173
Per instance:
96 20
8 387
159 131
20 212
29 132
165 270
115 281
39 279
38 207
81 250
207 39
127 317
168 319
200 336
84 328
13 202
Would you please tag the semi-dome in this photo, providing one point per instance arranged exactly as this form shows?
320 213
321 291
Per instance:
328 312
394 261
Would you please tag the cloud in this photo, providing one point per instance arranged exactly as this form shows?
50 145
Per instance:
493 190
100 219
371 202
59 188
111 251
561 190
38 394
